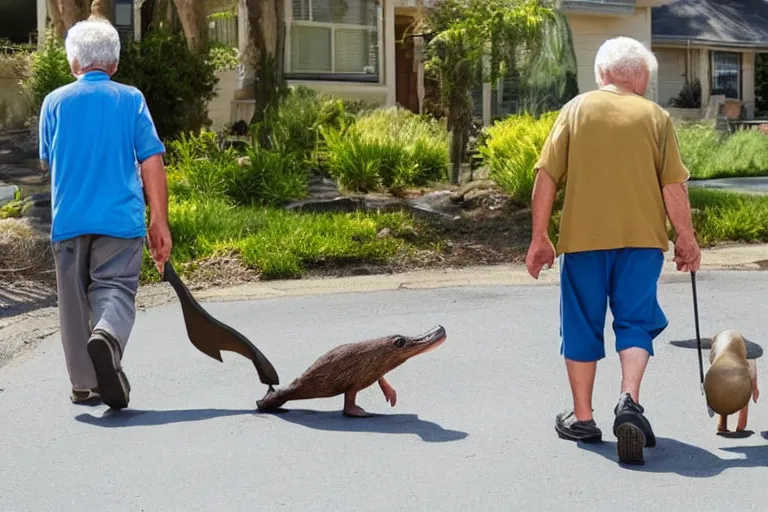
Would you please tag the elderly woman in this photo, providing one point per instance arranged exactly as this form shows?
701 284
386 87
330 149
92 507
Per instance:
93 132
619 155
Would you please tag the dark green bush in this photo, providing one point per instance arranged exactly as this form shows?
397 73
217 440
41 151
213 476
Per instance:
199 168
176 81
389 147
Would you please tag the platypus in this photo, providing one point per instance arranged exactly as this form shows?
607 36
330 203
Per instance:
352 367
731 379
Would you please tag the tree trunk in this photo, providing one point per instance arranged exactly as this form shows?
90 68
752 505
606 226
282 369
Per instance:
73 11
59 30
192 17
104 9
264 55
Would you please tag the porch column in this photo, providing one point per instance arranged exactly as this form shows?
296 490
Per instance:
42 16
703 74
487 91
748 83
418 50
137 21
389 52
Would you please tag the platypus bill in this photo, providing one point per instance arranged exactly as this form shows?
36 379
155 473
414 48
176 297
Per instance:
350 368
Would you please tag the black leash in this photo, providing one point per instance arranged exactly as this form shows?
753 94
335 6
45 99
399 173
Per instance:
698 333
698 338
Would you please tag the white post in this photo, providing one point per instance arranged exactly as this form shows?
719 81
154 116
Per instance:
42 16
487 88
137 20
389 51
418 50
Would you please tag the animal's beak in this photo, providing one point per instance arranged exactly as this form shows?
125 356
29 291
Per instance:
431 338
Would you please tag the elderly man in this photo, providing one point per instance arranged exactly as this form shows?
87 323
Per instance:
618 153
92 134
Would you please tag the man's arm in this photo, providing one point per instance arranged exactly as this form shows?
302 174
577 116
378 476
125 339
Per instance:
544 189
673 176
155 188
679 209
149 152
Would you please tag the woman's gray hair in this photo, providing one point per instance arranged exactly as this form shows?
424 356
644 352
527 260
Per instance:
93 42
624 58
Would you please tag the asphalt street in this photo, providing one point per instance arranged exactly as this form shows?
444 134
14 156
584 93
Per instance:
473 428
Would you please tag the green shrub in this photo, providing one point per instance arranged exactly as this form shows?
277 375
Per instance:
295 126
270 178
198 167
708 154
49 70
511 147
389 147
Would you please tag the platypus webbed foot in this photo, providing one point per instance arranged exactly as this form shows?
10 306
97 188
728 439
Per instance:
352 410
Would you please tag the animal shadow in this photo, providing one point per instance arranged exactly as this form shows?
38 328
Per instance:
148 418
377 424
671 456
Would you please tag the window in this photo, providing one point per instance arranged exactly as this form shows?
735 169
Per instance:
124 18
726 74
335 38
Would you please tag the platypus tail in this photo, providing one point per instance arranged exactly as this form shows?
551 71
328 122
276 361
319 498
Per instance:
272 400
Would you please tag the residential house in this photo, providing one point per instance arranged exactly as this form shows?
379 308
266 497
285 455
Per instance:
715 41
356 49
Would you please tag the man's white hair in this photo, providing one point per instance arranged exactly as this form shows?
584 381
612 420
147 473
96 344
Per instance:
625 58
93 42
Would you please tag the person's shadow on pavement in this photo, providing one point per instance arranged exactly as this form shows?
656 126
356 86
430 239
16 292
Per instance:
149 418
377 424
671 456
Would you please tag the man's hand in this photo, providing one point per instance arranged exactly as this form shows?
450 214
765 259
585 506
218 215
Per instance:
687 253
160 243
540 253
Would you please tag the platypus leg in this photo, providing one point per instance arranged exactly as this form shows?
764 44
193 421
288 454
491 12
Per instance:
389 392
351 409
743 419
722 426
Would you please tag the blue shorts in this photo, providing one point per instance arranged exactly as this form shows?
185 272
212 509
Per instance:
624 278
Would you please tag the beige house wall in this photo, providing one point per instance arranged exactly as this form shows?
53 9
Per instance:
590 31
673 67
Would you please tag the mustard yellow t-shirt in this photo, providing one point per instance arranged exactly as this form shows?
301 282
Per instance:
615 150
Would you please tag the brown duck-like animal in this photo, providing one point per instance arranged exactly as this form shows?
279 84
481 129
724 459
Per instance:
350 368
731 379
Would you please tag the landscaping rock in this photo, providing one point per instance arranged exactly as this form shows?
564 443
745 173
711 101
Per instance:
8 193
337 204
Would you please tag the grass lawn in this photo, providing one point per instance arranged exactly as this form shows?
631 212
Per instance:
729 216
281 244
709 155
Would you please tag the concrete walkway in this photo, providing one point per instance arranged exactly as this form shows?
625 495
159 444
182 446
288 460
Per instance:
754 186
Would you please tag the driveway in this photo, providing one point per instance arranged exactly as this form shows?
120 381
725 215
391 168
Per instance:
473 428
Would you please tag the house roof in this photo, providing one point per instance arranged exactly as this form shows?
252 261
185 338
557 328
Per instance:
717 22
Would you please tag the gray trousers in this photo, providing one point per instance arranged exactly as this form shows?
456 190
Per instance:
97 278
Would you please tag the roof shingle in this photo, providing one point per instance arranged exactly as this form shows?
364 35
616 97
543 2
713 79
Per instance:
721 22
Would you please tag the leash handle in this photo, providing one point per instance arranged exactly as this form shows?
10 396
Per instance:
698 333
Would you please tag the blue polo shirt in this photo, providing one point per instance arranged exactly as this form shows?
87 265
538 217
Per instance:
93 133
